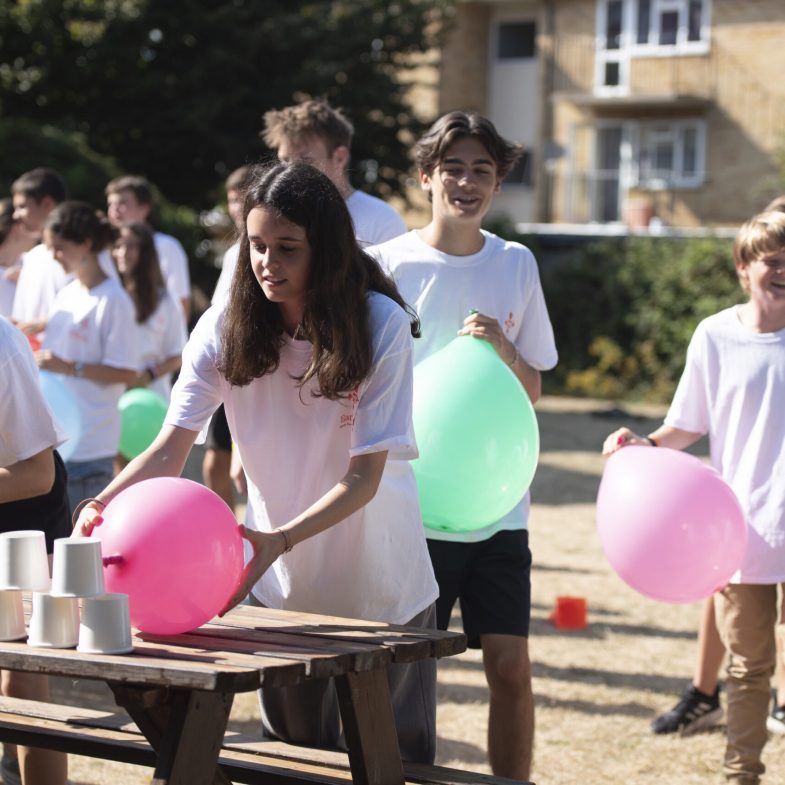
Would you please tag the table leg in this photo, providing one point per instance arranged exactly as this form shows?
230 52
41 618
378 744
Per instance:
369 727
186 729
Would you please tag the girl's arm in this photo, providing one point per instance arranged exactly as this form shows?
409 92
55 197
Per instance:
664 436
357 487
95 372
488 329
153 372
29 478
165 457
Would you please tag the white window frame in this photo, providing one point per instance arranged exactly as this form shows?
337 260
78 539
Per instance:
629 46
605 56
682 45
646 137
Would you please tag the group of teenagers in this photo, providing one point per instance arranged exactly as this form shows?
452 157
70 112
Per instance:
324 305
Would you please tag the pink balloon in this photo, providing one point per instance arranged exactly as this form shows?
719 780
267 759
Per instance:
670 526
174 547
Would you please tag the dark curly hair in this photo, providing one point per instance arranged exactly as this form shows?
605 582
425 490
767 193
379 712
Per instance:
79 222
336 318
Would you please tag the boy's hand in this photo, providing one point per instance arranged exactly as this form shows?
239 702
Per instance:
622 438
486 328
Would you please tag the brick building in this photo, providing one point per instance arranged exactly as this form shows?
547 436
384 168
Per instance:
628 108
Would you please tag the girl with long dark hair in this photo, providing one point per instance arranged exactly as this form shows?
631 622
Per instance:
312 359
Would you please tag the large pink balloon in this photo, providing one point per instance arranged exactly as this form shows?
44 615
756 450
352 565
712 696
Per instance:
670 526
174 547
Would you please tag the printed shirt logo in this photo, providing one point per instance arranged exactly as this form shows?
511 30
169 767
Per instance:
81 331
509 323
347 420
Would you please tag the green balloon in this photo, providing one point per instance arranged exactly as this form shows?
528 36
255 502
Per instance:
142 414
477 436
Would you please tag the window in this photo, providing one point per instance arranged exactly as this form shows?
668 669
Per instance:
517 40
521 173
670 155
671 22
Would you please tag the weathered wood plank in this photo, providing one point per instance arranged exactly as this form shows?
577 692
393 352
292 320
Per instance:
408 644
369 727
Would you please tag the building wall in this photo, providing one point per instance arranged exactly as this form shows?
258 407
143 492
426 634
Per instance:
740 80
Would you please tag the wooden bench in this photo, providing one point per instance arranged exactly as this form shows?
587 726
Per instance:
110 736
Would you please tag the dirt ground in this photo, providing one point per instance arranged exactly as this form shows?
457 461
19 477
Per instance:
597 689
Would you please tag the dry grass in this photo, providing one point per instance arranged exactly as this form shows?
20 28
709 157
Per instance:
597 689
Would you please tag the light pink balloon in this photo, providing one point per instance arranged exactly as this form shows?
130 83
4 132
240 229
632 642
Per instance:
174 547
670 526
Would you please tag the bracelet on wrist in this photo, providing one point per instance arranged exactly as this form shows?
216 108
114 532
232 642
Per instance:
287 543
652 442
514 358
85 503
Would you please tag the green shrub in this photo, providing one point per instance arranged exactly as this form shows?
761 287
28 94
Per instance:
624 309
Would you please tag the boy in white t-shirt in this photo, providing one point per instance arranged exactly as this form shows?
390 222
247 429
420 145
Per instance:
130 200
315 133
445 270
732 389
35 194
15 240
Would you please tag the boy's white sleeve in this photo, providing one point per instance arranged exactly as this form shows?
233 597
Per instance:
689 409
535 340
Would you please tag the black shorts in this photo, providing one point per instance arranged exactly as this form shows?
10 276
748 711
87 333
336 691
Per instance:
492 581
48 513
218 435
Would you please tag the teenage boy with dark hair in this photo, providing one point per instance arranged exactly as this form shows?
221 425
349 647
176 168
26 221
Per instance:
446 270
315 133
35 194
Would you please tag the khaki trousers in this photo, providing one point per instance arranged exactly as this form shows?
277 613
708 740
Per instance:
746 617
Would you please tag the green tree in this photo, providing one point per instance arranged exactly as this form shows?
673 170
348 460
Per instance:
176 90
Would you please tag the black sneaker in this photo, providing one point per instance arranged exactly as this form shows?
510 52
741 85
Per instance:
694 712
775 722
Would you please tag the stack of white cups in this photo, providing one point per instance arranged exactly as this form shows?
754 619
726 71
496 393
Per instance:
104 625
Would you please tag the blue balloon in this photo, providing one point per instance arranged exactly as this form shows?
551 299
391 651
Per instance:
65 409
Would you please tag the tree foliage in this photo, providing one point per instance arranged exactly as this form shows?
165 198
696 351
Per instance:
176 90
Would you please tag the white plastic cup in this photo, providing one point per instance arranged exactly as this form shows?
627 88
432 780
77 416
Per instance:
105 626
77 569
12 616
54 622
24 564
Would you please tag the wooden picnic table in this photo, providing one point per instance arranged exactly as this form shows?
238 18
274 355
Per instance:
179 689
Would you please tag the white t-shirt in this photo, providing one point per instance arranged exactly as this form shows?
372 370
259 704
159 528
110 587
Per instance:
294 448
174 266
8 287
501 280
162 336
224 283
27 424
94 326
733 389
39 282
374 221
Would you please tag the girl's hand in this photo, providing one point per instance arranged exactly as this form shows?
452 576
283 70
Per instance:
486 328
622 438
89 517
51 362
267 547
